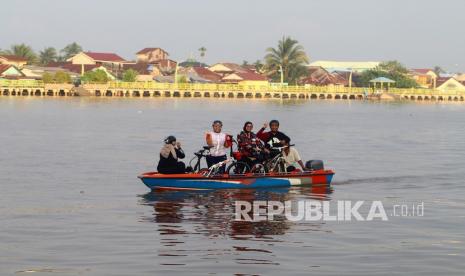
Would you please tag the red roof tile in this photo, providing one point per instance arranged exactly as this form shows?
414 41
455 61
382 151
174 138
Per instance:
141 68
233 67
319 76
56 64
207 74
421 70
13 58
76 68
166 63
4 67
251 76
441 80
146 50
236 67
105 56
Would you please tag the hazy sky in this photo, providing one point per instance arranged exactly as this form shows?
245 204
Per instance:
419 33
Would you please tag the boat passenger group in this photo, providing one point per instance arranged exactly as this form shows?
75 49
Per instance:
253 148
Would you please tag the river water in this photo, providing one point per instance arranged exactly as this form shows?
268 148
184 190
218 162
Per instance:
71 203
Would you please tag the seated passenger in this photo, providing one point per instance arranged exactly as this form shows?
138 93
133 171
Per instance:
249 145
170 153
272 138
292 157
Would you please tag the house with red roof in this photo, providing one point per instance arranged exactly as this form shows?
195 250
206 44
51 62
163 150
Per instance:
158 59
151 55
199 74
245 78
207 74
166 66
450 84
235 73
460 77
111 61
73 68
317 75
37 72
17 61
425 77
145 71
8 71
227 68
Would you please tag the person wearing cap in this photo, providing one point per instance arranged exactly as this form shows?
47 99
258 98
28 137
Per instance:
170 153
219 142
292 156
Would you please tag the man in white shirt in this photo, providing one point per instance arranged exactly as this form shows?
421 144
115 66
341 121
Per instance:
292 156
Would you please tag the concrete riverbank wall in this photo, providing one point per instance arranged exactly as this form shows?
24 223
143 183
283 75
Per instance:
150 89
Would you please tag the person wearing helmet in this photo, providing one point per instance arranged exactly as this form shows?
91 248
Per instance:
219 142
170 153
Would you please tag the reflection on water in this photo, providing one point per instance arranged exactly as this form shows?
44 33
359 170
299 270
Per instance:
213 211
182 215
69 201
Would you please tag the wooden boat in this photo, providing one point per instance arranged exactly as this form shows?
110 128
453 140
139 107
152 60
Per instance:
198 181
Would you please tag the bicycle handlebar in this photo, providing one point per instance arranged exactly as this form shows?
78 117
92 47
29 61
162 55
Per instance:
283 147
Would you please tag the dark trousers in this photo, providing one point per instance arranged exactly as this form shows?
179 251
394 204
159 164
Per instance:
179 168
212 160
290 169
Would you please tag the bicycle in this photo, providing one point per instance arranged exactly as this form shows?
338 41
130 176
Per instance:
237 166
199 155
276 164
215 169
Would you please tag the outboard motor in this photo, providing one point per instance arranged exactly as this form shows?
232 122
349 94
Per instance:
314 165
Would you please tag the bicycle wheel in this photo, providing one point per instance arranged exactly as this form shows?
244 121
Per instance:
203 171
281 167
258 169
192 160
238 168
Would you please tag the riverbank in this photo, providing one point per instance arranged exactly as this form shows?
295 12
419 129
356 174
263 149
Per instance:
232 91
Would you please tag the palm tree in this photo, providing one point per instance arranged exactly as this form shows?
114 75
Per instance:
70 50
438 70
259 66
289 57
48 55
393 66
24 51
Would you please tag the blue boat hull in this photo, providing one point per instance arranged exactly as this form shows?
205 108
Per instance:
158 181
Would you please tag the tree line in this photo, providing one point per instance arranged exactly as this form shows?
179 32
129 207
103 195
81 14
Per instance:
288 60
45 56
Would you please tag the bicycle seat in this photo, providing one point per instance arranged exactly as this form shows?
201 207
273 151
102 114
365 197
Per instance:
207 147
